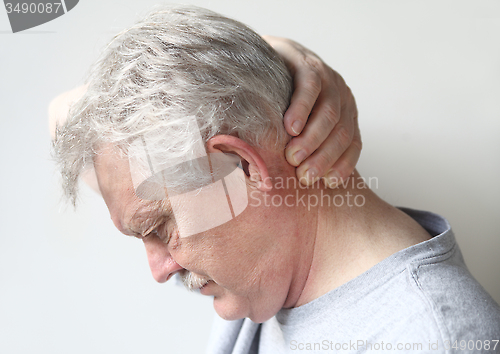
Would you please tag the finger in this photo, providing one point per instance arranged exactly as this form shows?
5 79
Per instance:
290 51
308 72
331 149
307 83
345 165
323 119
322 159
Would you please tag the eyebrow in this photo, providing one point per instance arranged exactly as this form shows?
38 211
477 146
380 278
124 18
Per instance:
149 217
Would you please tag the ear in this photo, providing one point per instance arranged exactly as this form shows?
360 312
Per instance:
257 173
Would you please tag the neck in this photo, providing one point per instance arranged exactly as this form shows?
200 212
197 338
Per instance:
352 233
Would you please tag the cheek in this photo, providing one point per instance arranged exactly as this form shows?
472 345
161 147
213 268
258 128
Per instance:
232 258
193 252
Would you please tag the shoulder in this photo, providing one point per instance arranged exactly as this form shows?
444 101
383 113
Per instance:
460 306
456 305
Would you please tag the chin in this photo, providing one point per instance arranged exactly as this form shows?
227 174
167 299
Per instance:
231 311
228 311
260 318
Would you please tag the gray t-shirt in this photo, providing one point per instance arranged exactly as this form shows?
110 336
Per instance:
419 300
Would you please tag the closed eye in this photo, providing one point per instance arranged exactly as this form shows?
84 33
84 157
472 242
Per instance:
155 228
164 233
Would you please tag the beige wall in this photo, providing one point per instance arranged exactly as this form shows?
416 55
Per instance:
425 75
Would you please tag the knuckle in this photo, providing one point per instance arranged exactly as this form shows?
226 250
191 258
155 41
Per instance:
313 84
354 112
344 137
303 110
314 62
324 158
344 170
349 102
339 81
332 114
357 143
314 139
323 161
344 167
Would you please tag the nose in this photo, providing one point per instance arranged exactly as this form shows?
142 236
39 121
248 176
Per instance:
162 264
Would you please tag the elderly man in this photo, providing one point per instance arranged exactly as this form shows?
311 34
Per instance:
182 123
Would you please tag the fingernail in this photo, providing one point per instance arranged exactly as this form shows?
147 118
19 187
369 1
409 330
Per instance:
311 174
332 179
299 156
297 127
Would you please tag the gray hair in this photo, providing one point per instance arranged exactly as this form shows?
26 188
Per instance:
178 62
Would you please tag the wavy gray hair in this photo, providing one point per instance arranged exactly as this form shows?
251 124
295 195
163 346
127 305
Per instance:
178 62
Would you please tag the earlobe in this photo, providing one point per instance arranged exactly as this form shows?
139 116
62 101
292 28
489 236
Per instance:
252 163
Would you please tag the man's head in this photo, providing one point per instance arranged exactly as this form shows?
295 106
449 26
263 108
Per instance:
249 264
176 67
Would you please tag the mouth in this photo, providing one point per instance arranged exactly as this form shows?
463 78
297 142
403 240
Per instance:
203 286
208 289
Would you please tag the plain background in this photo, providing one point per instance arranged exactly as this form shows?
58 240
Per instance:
426 78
